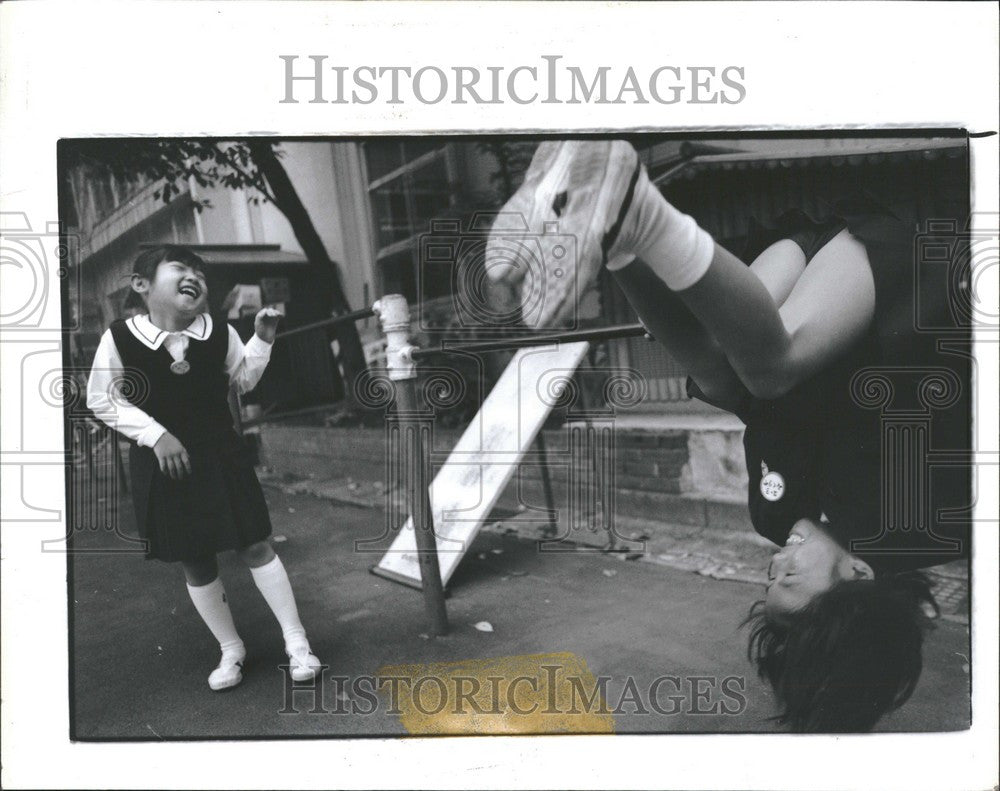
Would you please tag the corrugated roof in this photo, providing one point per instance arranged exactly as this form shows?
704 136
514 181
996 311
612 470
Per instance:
870 151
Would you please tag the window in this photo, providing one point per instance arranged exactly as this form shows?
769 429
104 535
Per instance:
410 183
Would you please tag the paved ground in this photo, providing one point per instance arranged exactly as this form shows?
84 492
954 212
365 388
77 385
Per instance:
141 655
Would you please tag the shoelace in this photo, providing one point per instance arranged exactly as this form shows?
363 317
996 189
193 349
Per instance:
300 657
229 661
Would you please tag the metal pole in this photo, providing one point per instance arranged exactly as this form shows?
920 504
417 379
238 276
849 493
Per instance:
354 315
594 334
547 483
394 314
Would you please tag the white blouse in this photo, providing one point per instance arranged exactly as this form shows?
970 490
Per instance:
245 365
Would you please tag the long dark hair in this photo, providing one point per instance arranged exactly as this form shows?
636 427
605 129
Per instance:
852 655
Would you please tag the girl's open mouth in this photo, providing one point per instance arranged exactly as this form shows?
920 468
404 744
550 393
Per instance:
190 291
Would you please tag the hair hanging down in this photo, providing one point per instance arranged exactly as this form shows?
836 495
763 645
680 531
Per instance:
147 261
848 658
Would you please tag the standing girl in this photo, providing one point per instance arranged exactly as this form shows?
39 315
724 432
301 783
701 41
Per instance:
162 379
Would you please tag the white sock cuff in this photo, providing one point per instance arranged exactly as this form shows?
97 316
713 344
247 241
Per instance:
694 256
682 254
233 649
215 587
669 241
268 570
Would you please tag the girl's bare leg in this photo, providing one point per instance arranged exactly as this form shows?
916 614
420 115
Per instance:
671 323
771 349
668 317
200 572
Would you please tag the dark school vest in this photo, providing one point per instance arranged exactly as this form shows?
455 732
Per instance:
194 406
836 454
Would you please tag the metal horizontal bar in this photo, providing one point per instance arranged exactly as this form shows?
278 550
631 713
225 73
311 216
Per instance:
354 315
570 336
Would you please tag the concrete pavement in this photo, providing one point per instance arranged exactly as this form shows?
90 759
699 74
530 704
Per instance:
140 655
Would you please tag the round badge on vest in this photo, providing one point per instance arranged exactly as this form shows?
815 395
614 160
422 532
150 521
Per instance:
180 367
772 484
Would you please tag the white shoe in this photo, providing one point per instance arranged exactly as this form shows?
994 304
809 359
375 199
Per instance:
557 230
303 665
229 673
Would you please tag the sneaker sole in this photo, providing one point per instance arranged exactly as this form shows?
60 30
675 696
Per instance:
224 687
596 178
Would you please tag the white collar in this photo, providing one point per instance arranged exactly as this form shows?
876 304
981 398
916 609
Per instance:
152 336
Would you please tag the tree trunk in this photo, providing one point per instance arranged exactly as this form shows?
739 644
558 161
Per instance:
328 296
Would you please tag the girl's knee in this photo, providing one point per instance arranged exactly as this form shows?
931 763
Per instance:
257 554
769 386
200 572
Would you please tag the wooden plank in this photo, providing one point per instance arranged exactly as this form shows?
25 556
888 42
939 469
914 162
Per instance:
486 457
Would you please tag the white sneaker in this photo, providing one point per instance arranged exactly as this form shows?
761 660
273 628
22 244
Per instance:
229 673
303 665
558 229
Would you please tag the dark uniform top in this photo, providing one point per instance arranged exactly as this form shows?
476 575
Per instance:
865 443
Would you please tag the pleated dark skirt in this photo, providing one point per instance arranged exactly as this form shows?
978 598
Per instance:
220 506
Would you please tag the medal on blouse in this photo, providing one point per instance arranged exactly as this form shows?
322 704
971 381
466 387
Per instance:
180 367
772 484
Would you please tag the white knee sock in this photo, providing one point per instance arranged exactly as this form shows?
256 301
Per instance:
272 581
210 602
671 243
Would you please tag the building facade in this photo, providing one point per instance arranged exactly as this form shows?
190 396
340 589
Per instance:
372 202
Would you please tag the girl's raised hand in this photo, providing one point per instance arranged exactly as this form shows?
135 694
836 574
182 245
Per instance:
266 323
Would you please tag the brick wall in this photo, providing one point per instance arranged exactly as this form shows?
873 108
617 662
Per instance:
655 476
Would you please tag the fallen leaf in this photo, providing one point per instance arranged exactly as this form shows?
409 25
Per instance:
279 539
497 551
423 636
484 626
291 510
609 572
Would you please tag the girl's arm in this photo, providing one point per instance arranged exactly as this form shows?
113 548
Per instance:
245 364
108 378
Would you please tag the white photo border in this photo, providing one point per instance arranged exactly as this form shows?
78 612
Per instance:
112 68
